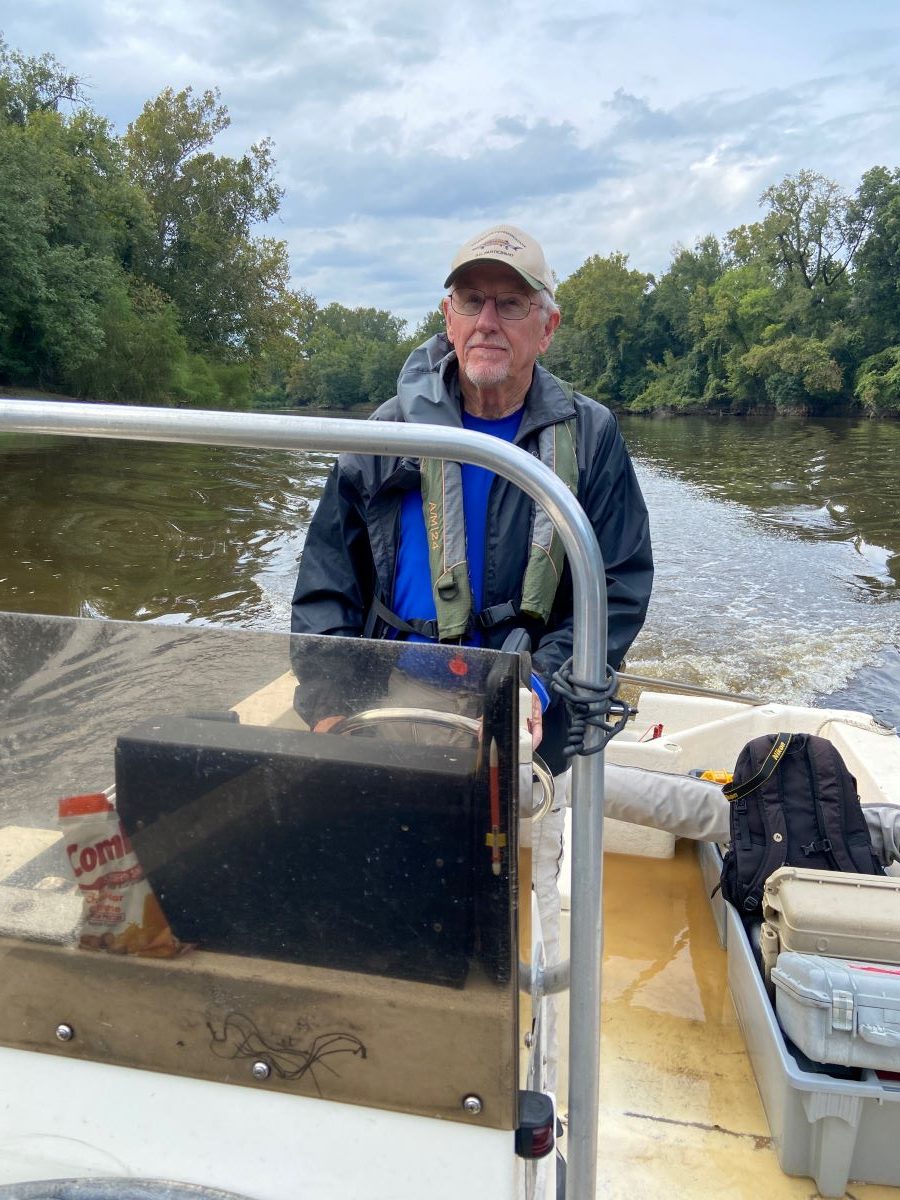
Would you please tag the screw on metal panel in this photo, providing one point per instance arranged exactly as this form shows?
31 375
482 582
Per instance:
529 1040
65 1033
472 1105
261 1070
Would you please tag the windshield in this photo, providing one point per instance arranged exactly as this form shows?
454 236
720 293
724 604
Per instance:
162 797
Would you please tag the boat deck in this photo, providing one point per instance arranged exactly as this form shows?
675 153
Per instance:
680 1116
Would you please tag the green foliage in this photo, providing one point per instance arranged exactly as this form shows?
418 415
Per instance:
350 357
51 287
201 383
132 269
878 383
810 234
675 386
33 85
143 349
681 297
794 372
782 319
876 300
600 346
231 288
428 327
129 267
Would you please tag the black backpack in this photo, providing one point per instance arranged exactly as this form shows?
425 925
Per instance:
794 803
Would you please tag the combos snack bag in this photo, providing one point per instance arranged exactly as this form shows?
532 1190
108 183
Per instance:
121 913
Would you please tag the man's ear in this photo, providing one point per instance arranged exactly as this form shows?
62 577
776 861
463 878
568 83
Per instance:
550 326
448 319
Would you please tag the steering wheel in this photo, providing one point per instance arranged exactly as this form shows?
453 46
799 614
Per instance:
371 718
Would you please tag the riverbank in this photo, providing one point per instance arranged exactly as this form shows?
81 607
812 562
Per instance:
14 392
849 412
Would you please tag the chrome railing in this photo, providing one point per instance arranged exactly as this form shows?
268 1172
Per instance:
270 431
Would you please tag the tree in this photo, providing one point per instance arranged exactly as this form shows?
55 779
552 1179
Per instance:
600 346
682 294
878 383
675 384
351 357
33 85
275 365
55 269
796 373
230 287
811 232
144 357
876 283
429 325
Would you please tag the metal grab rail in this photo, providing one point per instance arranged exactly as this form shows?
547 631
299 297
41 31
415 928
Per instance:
270 431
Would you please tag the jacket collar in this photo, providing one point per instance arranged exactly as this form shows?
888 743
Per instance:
546 403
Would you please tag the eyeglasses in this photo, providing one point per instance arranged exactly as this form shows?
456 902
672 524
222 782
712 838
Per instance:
510 306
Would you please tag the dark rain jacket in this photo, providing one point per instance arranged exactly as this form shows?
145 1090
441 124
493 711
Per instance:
351 547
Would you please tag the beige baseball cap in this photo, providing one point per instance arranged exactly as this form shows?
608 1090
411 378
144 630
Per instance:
509 245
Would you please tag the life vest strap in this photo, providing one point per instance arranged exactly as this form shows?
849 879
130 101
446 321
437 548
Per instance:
422 628
488 618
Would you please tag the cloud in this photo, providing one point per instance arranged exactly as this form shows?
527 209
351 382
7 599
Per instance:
398 131
425 182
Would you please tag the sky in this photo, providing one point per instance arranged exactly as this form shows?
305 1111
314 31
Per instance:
401 128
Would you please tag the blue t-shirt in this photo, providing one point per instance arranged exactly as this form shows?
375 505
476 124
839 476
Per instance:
413 596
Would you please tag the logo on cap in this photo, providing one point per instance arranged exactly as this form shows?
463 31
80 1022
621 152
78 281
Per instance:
504 244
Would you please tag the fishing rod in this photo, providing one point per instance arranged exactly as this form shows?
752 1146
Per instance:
689 689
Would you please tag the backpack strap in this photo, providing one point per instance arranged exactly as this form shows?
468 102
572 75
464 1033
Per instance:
772 816
771 761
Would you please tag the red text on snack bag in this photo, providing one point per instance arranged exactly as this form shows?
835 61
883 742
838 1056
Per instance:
86 859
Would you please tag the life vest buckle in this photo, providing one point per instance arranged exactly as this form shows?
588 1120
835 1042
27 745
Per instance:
496 615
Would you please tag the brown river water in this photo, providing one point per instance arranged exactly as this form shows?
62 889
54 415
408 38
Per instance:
777 544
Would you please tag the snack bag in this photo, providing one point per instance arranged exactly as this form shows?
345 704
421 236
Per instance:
121 913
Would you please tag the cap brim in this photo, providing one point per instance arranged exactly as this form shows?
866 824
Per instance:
529 279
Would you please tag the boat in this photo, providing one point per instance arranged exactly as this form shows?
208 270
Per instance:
699 1095
344 1062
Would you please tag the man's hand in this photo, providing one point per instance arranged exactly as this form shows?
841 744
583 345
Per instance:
536 722
325 724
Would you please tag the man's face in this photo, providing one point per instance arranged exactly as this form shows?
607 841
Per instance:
493 351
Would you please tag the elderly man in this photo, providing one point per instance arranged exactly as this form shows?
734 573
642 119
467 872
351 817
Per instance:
369 566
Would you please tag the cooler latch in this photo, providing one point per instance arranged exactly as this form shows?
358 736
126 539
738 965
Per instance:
842 1010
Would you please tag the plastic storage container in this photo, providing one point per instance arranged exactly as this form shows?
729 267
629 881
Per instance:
834 913
831 1129
839 1011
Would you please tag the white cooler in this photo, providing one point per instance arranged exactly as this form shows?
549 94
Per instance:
839 1011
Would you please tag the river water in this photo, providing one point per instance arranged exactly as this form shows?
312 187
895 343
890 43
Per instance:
777 545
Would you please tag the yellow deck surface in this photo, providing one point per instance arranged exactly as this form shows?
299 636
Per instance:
680 1115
